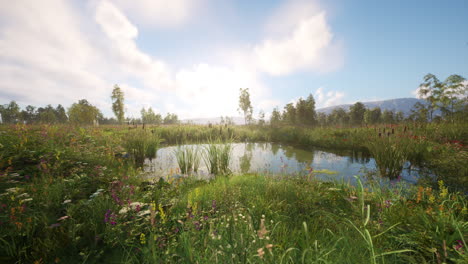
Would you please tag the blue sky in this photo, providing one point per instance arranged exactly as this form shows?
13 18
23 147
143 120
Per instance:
192 56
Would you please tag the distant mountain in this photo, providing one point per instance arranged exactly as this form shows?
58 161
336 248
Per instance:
402 104
213 120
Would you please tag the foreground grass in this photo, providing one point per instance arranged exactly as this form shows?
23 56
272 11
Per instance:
68 196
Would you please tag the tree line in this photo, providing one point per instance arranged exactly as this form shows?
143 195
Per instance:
449 97
81 112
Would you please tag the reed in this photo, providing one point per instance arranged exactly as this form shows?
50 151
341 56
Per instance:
390 154
141 144
217 157
188 158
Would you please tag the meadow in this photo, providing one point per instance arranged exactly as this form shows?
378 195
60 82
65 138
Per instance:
75 195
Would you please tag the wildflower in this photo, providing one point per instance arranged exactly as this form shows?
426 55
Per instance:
110 217
260 253
162 213
269 247
124 210
262 231
213 205
23 195
431 198
26 200
66 201
443 190
63 218
143 213
142 239
459 246
388 203
420 192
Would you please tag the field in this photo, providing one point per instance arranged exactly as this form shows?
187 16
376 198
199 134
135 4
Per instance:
75 195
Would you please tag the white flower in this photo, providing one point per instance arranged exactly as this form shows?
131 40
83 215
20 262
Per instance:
26 200
143 213
66 201
134 205
12 190
23 195
123 210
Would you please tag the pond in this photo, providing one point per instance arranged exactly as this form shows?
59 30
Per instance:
279 159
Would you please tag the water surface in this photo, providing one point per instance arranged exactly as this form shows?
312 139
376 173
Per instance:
279 159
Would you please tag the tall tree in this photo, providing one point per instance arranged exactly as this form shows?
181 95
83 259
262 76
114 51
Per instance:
10 112
149 117
388 117
47 115
84 113
171 119
372 116
61 114
261 118
339 116
453 96
399 116
275 118
356 113
310 108
29 114
419 112
245 105
118 103
289 114
301 112
322 119
430 90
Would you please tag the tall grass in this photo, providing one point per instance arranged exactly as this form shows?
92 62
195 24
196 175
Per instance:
217 157
390 154
188 158
141 144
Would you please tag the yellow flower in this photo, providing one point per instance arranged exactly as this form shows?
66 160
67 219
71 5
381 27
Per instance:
443 190
142 239
163 214
431 198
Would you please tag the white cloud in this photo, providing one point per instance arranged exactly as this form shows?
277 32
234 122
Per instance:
159 12
302 40
325 99
44 54
122 33
214 90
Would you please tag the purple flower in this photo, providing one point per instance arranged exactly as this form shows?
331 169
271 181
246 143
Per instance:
110 217
197 225
205 218
388 203
459 245
213 205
